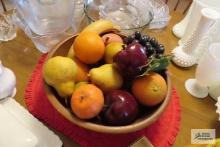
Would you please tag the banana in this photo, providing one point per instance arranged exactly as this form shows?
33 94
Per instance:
71 53
101 26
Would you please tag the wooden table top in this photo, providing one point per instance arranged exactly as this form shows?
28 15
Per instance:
21 56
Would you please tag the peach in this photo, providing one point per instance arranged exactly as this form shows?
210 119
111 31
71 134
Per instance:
111 37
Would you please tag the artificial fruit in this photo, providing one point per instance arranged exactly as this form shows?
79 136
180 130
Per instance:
106 77
111 50
101 26
59 72
150 89
111 37
87 101
120 108
89 47
131 59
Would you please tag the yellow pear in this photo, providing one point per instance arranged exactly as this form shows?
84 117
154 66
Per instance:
106 77
59 72
111 50
65 89
82 69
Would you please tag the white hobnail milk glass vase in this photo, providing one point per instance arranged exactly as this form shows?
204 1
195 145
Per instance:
211 37
180 28
214 91
183 29
207 72
184 55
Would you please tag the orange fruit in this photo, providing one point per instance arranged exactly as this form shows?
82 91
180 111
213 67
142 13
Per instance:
89 47
87 101
82 71
150 89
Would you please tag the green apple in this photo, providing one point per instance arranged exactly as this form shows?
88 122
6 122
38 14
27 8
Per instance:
111 50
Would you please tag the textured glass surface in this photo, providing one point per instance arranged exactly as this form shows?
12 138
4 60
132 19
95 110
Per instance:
7 28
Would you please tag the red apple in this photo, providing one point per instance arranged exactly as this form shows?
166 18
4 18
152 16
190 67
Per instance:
121 108
131 59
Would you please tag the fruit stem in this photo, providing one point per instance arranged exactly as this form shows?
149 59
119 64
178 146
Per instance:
156 88
106 40
105 106
81 98
123 46
66 102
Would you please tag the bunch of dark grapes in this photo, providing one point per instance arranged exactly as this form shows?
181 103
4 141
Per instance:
150 44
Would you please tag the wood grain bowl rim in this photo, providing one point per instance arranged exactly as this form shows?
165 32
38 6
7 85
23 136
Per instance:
135 126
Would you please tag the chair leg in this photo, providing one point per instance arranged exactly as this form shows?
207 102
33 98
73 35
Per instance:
178 1
3 6
187 7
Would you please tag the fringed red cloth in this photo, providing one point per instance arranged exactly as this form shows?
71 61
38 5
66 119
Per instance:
162 133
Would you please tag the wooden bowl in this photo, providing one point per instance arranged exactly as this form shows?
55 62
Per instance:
62 49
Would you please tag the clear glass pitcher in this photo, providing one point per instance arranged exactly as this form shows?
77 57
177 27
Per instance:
45 22
46 16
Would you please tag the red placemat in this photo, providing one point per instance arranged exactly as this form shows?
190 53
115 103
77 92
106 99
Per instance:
162 133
